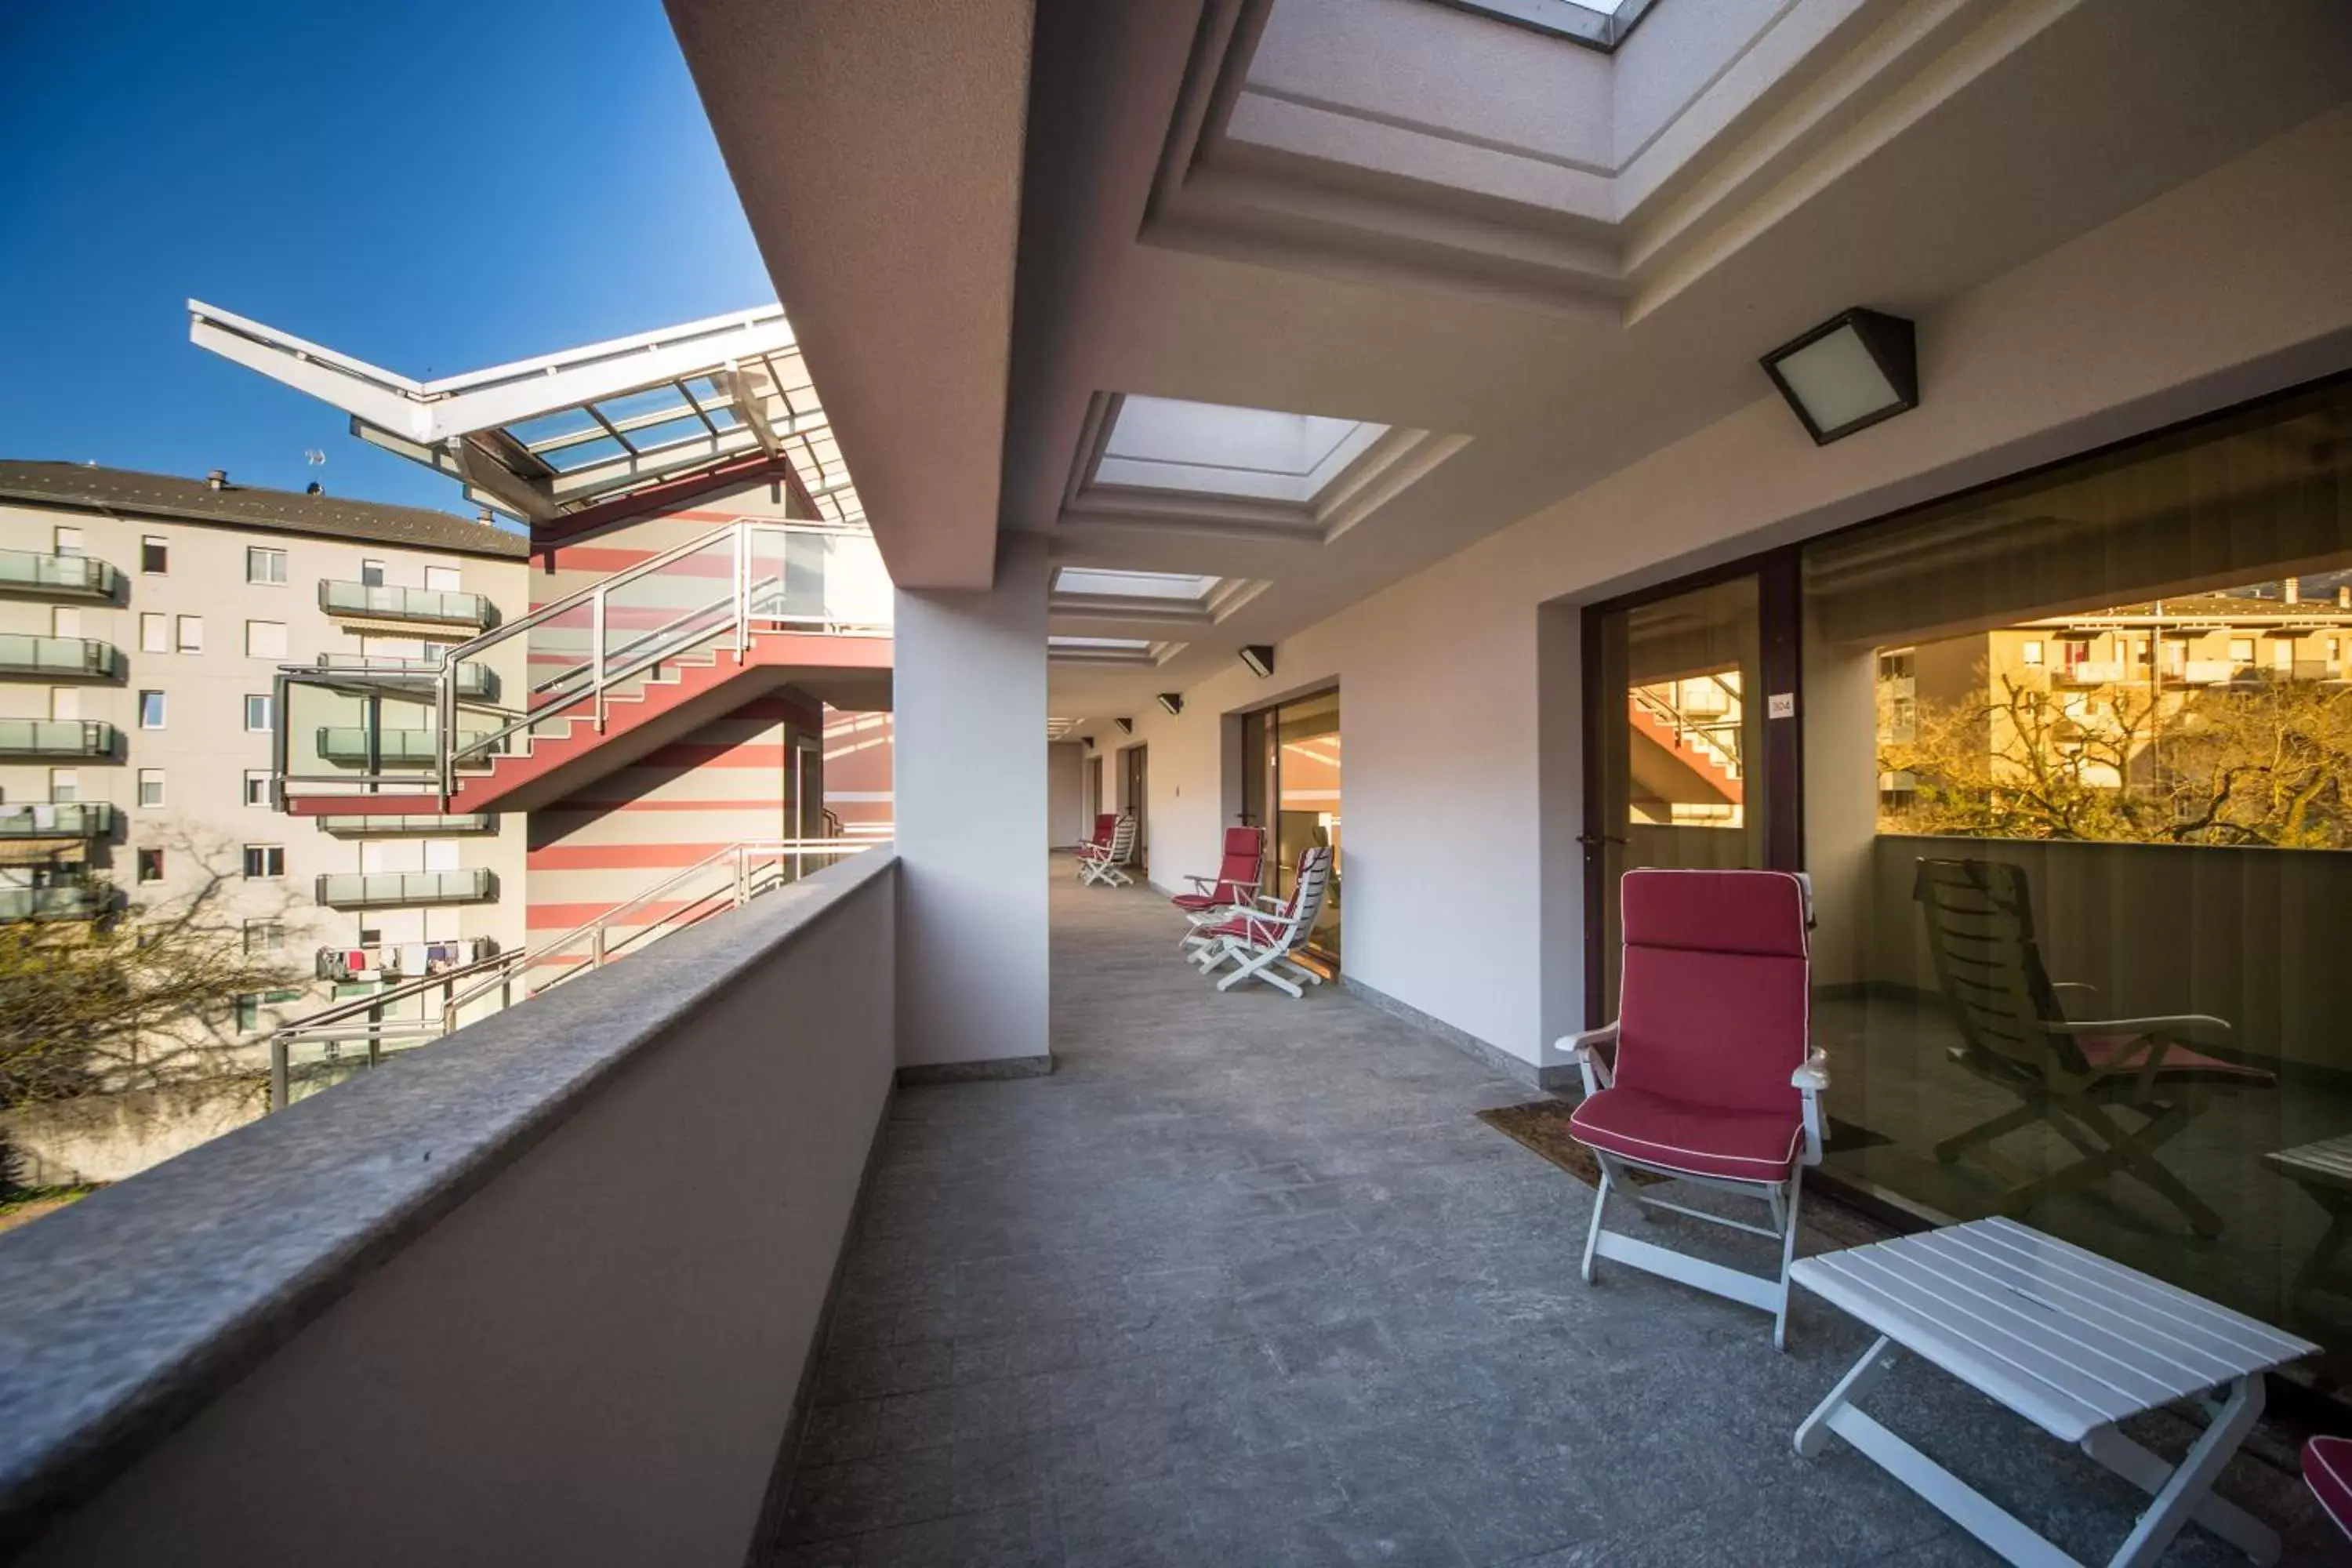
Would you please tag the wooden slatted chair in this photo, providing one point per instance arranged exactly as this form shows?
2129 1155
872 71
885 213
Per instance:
1714 1082
1107 864
1260 941
1241 875
2072 1075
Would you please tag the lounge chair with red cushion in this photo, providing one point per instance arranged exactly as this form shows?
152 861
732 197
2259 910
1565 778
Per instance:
1714 1082
1239 875
1259 942
1107 863
1099 839
2328 1471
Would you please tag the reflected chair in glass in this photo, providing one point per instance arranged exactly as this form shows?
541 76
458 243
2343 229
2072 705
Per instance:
1714 1082
1260 943
1241 877
2072 1075
1106 865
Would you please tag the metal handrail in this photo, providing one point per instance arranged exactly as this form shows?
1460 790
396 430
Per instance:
498 972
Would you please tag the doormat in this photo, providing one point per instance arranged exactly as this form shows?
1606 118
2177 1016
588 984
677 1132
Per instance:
1541 1125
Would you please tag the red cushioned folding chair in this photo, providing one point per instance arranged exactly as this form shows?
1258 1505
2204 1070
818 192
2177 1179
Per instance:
1260 943
1714 1082
2328 1471
1099 839
1107 863
1234 886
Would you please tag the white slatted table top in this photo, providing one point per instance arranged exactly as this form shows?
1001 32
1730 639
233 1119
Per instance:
2069 1340
2328 1162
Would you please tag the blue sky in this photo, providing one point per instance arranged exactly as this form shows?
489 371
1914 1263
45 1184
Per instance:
431 184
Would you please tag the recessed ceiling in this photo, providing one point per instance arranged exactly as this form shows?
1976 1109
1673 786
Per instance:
1111 583
1109 651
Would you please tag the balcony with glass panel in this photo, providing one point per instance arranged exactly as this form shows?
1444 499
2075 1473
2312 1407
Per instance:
422 824
350 744
476 681
60 658
56 901
30 575
87 738
383 601
64 819
404 889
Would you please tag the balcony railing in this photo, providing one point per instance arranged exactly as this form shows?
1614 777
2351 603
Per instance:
402 960
56 738
476 681
60 658
33 575
425 824
396 748
57 819
59 901
399 890
378 602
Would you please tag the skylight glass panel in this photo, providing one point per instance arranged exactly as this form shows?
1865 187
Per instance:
1133 584
1101 645
1211 448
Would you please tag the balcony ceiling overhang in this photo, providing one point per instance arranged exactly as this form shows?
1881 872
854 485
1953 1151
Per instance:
877 149
1546 261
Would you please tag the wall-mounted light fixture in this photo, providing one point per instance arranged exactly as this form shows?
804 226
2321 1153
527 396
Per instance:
1259 657
1173 701
1126 726
1088 742
1848 373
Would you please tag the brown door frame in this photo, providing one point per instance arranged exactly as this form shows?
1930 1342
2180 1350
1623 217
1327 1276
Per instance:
1779 661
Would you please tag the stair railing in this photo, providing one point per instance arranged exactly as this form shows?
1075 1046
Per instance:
757 596
751 868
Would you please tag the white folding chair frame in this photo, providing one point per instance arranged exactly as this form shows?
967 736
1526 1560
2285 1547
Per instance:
1269 938
1766 1295
1108 868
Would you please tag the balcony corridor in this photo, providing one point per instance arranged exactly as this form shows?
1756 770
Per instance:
1245 1283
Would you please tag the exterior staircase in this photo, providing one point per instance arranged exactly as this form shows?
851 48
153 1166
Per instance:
1712 766
615 671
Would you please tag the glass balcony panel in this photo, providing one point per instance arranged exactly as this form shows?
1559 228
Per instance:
59 819
56 738
427 824
35 575
68 659
395 889
57 901
386 602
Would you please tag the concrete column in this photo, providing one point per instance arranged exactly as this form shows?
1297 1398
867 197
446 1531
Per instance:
970 694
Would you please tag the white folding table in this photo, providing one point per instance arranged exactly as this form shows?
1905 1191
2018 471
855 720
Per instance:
2071 1341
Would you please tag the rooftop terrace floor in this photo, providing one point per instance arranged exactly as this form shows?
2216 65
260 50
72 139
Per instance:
1245 1282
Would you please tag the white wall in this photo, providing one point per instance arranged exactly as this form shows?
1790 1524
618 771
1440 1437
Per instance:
969 700
1458 686
1065 793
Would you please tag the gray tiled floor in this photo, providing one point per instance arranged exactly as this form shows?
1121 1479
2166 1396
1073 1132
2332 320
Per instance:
1245 1283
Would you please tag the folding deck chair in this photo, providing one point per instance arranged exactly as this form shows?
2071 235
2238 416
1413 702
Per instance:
1260 940
1713 1081
1240 876
1107 864
1101 837
2072 1075
2328 1471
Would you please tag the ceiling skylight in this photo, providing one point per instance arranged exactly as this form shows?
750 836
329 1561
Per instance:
1602 24
1108 651
1112 583
1212 448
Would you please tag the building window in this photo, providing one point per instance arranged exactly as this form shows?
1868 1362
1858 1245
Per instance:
154 633
151 709
65 784
249 1006
259 718
265 860
265 639
68 541
191 634
151 865
263 564
257 787
2242 650
2029 651
441 579
265 936
2282 653
372 574
151 787
154 556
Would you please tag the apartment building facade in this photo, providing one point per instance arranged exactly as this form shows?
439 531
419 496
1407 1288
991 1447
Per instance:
143 622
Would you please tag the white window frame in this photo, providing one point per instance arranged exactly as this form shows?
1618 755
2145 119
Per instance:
188 634
277 633
162 706
153 777
271 562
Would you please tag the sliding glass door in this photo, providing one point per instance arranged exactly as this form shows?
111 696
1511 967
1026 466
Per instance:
1291 766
